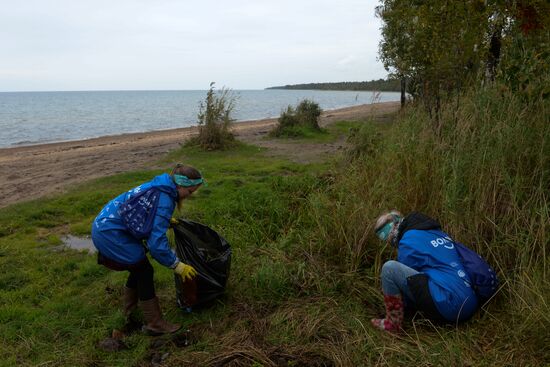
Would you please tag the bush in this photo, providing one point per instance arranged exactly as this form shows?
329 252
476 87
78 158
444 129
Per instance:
308 113
288 122
523 68
214 120
295 122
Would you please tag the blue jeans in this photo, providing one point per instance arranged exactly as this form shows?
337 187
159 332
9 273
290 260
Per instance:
394 279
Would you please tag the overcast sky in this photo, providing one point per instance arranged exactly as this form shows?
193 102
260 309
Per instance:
180 44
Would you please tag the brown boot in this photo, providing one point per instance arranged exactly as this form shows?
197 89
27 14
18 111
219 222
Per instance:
129 301
154 323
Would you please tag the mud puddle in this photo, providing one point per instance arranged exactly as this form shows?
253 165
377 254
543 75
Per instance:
76 243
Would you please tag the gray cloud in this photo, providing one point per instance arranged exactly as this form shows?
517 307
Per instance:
165 44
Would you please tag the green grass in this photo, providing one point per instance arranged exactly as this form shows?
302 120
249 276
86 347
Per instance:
304 274
334 131
300 132
55 306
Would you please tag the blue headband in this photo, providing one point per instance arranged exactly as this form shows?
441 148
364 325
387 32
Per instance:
384 232
185 181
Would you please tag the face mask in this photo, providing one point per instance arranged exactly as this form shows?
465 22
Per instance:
384 232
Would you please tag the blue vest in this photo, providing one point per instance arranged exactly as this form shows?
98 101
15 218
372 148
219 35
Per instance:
433 253
112 238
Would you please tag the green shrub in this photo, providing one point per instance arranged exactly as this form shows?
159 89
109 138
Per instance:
295 122
308 113
214 120
524 66
289 118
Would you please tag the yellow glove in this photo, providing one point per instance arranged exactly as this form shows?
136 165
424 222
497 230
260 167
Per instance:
173 221
185 271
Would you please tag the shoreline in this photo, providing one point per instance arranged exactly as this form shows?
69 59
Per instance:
32 171
25 145
235 124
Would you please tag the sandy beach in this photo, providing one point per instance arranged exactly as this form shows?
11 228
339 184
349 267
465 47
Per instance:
30 172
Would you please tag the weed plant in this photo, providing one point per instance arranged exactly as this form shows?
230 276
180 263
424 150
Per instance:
214 120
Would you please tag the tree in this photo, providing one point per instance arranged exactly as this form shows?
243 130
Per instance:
440 46
435 44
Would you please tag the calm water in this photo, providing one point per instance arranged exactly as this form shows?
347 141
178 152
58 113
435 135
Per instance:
39 117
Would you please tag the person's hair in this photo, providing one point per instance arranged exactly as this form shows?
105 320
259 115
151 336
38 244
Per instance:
386 218
393 216
191 173
181 169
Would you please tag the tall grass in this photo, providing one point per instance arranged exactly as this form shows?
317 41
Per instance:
485 176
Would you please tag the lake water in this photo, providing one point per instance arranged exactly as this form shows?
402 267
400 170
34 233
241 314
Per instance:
40 117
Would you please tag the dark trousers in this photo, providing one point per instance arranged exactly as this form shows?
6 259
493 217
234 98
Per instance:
140 277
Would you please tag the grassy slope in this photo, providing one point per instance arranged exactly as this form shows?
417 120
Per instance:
304 274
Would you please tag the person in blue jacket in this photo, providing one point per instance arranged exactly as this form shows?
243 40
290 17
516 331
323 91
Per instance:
428 275
119 250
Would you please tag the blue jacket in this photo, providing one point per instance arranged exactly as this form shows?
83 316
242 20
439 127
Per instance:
112 240
432 252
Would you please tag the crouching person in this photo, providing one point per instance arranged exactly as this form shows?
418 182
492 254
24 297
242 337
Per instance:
428 275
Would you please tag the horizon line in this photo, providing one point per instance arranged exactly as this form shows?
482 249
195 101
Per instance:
115 90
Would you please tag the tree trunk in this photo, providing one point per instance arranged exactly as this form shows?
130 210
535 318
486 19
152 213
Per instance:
403 91
494 53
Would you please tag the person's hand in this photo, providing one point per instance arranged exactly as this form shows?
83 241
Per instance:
173 221
186 272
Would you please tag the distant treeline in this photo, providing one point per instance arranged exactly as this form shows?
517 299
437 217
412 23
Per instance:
382 85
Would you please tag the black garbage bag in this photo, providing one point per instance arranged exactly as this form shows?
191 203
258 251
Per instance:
210 254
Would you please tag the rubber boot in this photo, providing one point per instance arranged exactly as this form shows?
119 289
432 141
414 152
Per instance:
394 314
129 301
154 323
